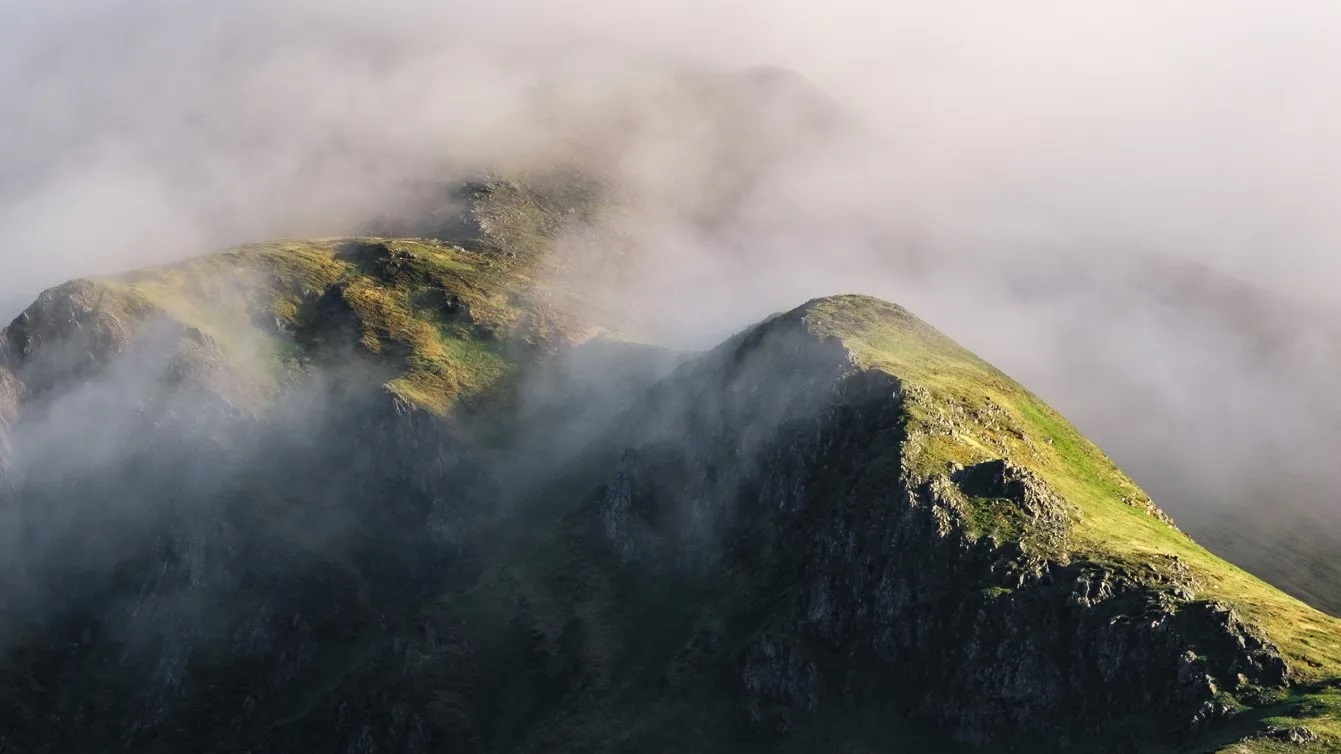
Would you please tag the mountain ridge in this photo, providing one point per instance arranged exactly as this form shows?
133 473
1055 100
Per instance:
351 495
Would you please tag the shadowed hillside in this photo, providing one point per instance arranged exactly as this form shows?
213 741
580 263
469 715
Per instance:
413 495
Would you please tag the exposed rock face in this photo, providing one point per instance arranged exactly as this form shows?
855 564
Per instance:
732 403
213 562
67 333
11 395
777 669
1298 736
226 617
992 639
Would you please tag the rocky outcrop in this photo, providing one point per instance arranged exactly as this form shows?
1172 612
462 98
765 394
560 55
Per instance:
422 472
69 332
778 669
11 397
672 500
237 561
959 591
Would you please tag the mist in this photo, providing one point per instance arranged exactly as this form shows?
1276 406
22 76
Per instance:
1035 180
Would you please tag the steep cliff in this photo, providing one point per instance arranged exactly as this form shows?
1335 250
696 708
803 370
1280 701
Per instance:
841 510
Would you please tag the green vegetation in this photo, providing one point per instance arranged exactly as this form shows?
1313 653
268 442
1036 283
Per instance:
1265 729
964 411
449 325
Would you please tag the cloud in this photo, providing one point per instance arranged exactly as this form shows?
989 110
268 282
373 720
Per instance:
1018 175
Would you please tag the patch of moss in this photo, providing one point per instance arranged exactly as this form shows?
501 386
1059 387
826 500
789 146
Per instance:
994 517
1264 730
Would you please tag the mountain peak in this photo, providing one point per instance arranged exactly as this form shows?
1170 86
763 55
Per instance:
838 512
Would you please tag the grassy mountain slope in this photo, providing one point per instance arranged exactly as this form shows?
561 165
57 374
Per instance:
444 320
978 413
974 413
440 315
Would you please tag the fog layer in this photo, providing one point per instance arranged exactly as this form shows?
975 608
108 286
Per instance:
1037 180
